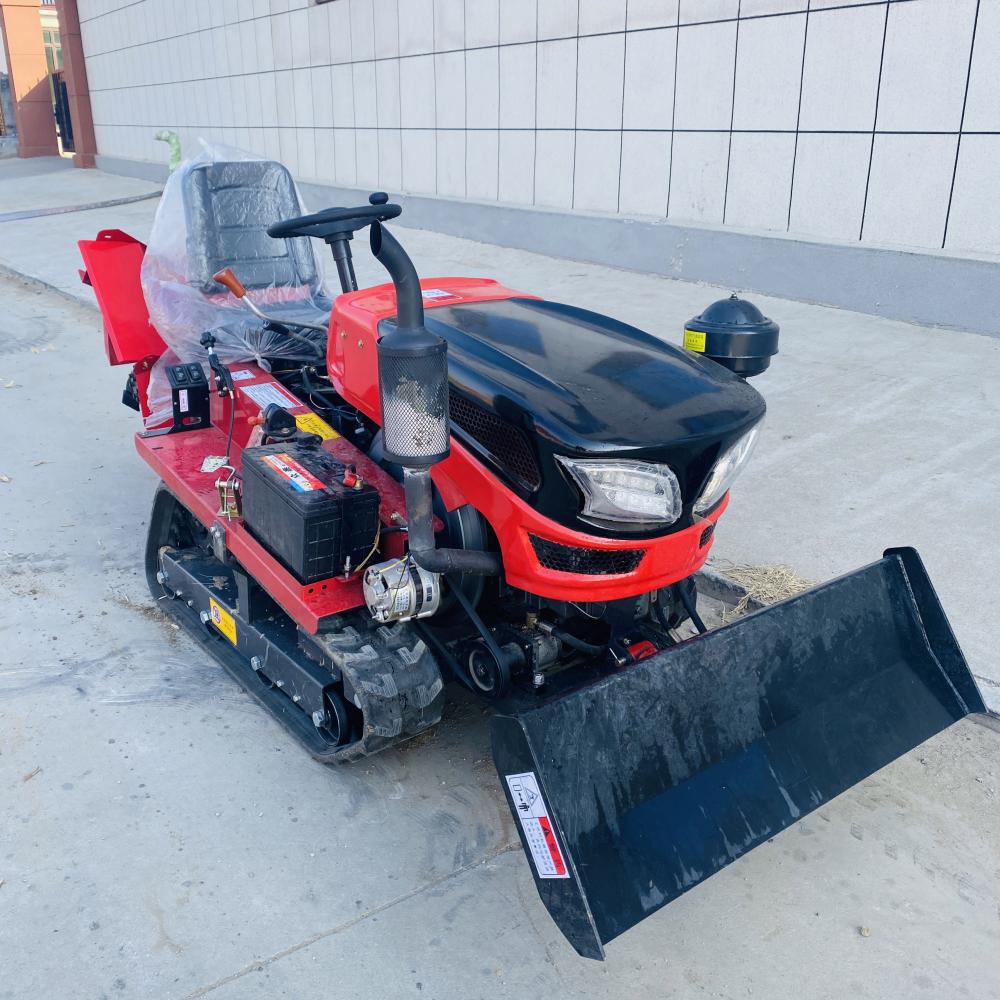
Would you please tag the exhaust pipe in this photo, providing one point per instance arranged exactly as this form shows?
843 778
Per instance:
413 391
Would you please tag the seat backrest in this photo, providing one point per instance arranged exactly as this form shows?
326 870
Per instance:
228 206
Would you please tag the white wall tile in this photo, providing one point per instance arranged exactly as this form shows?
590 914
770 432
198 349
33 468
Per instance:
306 138
362 14
416 27
758 8
601 15
419 161
482 161
705 57
482 82
322 95
346 156
838 93
829 190
339 14
974 223
557 84
908 190
416 89
517 20
652 13
318 29
390 160
387 92
451 163
760 180
600 80
449 25
927 49
326 161
645 173
557 18
982 107
284 97
386 18
342 88
649 79
517 86
707 10
768 70
303 106
595 180
482 22
366 148
517 166
288 144
698 176
281 42
449 79
365 104
554 155
342 92
298 28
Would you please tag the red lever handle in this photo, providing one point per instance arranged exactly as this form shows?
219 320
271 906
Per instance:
227 278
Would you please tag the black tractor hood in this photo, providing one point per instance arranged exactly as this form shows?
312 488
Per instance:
580 384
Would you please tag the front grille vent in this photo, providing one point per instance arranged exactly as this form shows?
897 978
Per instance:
505 444
587 562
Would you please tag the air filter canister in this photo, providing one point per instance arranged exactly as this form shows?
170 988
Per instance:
734 333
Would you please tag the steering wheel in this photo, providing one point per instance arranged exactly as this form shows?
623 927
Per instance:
336 223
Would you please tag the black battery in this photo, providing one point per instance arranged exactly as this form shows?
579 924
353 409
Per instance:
297 505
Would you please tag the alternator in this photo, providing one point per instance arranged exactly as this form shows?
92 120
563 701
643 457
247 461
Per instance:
400 590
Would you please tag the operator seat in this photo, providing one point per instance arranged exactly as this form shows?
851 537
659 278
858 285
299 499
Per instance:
228 206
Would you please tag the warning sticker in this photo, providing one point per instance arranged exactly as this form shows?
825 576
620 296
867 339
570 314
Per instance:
243 374
437 293
694 340
289 469
182 400
223 620
311 423
269 392
538 830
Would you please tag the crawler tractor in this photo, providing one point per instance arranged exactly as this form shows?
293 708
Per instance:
443 481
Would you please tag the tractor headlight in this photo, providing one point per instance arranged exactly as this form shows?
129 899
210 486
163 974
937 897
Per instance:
624 491
726 470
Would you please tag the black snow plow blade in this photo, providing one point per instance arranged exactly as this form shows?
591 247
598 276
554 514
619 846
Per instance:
633 789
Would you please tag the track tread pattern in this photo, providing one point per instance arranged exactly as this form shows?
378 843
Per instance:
395 679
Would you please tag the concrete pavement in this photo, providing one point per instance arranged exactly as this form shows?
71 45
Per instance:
161 837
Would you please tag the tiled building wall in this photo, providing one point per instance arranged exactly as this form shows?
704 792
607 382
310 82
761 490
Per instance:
847 121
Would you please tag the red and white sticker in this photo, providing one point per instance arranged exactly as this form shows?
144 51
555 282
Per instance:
289 469
538 829
243 374
437 293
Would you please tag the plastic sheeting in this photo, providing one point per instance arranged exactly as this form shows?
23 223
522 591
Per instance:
214 213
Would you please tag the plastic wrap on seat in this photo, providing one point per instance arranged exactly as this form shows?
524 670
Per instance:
214 213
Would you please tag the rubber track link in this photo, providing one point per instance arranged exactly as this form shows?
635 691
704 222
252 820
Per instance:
389 674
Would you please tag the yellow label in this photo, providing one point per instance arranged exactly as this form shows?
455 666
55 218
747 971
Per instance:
312 424
223 620
694 340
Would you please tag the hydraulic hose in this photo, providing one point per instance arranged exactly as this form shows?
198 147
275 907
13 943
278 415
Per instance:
689 607
420 529
578 644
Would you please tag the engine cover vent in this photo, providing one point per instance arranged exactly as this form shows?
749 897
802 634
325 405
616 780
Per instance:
587 562
504 443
